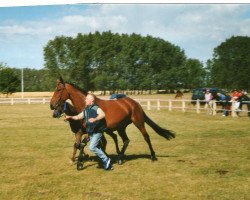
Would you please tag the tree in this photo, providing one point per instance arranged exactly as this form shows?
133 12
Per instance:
194 74
9 80
230 66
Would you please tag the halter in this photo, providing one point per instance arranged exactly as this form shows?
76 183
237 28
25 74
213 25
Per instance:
60 97
65 106
62 112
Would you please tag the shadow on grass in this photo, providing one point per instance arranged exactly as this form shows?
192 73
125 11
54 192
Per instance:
114 159
139 156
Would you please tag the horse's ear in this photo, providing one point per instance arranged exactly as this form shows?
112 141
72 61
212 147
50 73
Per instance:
61 80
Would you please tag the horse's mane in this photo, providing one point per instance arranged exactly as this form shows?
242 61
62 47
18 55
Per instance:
77 87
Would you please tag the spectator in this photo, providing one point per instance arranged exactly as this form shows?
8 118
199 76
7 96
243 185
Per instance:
236 96
209 103
225 103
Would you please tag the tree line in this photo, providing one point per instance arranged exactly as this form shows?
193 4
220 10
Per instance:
107 61
110 61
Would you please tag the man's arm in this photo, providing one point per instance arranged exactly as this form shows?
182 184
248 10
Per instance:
100 115
76 117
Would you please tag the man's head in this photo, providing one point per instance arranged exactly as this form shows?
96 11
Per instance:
90 99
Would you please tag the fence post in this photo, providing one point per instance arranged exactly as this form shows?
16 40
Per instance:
28 100
169 105
183 106
233 109
148 105
43 100
158 104
12 101
214 107
198 106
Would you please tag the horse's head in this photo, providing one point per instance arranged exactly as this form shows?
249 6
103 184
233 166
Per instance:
60 95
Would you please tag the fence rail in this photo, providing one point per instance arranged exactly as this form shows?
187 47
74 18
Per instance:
151 104
13 101
197 106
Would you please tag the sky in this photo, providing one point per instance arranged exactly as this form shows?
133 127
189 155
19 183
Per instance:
195 28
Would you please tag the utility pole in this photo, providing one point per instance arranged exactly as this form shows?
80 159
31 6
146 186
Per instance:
22 81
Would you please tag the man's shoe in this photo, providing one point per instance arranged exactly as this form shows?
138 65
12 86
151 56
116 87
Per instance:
107 163
109 168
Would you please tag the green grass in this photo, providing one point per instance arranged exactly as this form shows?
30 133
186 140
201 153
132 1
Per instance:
208 159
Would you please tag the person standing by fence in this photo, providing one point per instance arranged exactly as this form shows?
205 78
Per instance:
225 103
236 96
209 103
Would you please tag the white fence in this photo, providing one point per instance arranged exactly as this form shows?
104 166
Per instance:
13 101
149 104
195 106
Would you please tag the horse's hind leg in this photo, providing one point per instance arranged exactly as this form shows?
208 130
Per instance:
138 121
103 143
114 137
125 139
147 139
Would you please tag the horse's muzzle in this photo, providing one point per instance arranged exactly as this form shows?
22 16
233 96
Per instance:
52 107
56 114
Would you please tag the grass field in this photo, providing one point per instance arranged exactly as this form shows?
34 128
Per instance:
208 159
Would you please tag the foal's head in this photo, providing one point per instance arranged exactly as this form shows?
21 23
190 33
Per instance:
66 108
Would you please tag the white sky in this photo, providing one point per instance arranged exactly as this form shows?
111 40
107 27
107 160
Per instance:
196 28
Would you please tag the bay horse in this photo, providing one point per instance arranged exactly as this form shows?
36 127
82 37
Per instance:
179 94
118 114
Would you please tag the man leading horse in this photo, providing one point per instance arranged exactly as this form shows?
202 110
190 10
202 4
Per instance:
95 125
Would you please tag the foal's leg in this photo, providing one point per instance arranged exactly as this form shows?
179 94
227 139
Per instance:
81 155
125 139
76 145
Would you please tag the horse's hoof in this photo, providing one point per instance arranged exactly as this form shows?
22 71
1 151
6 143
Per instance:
79 166
71 162
120 162
87 157
154 159
80 158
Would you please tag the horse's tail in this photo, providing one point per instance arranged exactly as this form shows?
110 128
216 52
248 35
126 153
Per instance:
161 131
